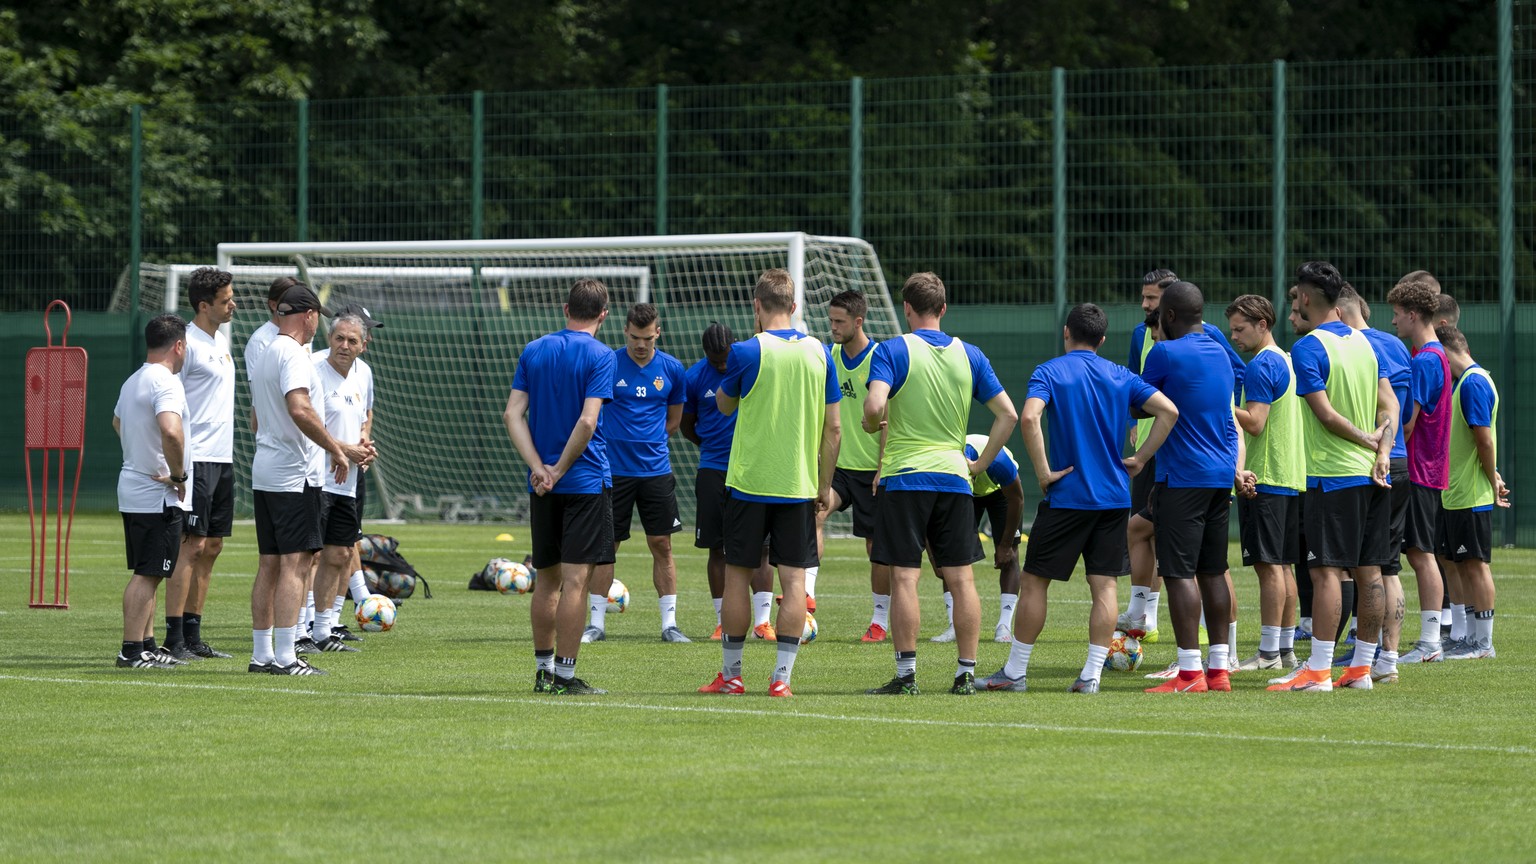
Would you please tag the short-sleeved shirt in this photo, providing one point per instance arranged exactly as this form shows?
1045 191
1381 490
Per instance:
364 374
1201 451
285 457
741 370
208 375
1477 402
150 391
1392 358
713 428
1139 350
1266 381
345 412
1310 360
891 363
1426 378
1004 469
1088 401
559 372
255 346
635 422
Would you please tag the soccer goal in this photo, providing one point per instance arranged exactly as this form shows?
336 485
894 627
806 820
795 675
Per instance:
457 314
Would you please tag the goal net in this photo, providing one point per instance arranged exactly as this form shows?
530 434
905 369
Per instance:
458 313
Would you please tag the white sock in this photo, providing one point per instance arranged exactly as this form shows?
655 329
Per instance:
1005 604
307 617
1482 627
718 601
1152 598
261 646
1429 627
1189 660
1232 639
1458 622
965 666
949 607
341 601
322 629
1387 662
882 613
1306 623
1018 660
762 607
1365 652
1322 656
785 665
1094 668
597 609
1138 606
282 645
357 586
1287 639
668 606
1220 652
810 581
1269 639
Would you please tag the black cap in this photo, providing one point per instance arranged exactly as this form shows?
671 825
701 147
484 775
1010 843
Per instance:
360 311
300 299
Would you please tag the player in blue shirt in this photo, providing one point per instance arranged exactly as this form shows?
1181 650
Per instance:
648 391
1088 401
552 416
712 431
1196 471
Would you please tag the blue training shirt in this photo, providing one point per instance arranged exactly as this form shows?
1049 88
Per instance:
891 364
559 372
1310 360
1003 470
1477 408
741 368
635 422
1088 401
1267 378
715 430
1393 358
1139 338
1201 451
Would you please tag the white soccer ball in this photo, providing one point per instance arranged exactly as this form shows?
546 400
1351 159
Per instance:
512 577
618 597
809 634
377 614
1124 653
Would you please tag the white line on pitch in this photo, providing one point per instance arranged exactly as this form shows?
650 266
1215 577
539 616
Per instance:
559 704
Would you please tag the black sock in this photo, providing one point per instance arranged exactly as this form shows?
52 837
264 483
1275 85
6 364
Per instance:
1346 603
149 644
173 633
192 628
131 649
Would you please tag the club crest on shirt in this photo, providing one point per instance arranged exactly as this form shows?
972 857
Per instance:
659 382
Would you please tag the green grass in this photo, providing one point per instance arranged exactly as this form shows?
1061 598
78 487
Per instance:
429 745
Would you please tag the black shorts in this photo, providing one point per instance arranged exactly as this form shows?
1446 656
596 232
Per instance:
789 530
994 506
1141 486
1421 529
709 508
1466 535
288 522
1349 527
1399 496
853 490
1060 537
909 520
340 522
213 500
571 528
1191 529
362 495
656 499
1267 525
153 541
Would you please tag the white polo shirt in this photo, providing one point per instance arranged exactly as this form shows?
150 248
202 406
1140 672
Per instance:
345 412
149 392
208 375
284 454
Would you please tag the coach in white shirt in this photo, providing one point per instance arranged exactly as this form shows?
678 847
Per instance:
289 434
151 494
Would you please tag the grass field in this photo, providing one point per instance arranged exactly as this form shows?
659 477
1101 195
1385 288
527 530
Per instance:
429 745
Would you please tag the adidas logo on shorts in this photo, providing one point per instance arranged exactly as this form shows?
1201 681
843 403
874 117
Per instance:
676 522
1461 550
1311 556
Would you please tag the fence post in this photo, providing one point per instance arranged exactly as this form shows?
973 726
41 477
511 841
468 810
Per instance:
136 228
1059 192
661 158
1277 196
301 193
856 157
477 169
1507 372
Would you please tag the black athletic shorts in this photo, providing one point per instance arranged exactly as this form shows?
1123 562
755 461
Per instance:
340 524
1060 537
1349 527
789 529
1141 486
1267 527
1191 531
213 500
655 498
1421 529
853 490
1466 535
1400 496
910 520
994 506
709 508
288 522
571 528
362 494
153 541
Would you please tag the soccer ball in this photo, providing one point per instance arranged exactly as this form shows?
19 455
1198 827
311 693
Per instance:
371 579
377 613
1124 653
809 634
512 577
618 597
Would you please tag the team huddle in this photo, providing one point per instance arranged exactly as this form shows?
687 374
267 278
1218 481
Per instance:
1345 455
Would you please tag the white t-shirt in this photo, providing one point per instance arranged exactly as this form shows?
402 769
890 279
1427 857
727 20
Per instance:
209 378
149 392
362 371
345 412
283 453
261 337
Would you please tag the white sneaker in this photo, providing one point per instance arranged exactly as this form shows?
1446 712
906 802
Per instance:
946 636
1423 652
1289 676
1470 650
1171 672
1123 623
1002 634
1259 662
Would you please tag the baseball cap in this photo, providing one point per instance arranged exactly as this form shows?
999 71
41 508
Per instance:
300 299
360 311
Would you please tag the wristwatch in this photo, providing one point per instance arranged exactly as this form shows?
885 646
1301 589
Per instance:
181 479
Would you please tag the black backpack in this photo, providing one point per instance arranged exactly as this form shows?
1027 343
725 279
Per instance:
392 575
